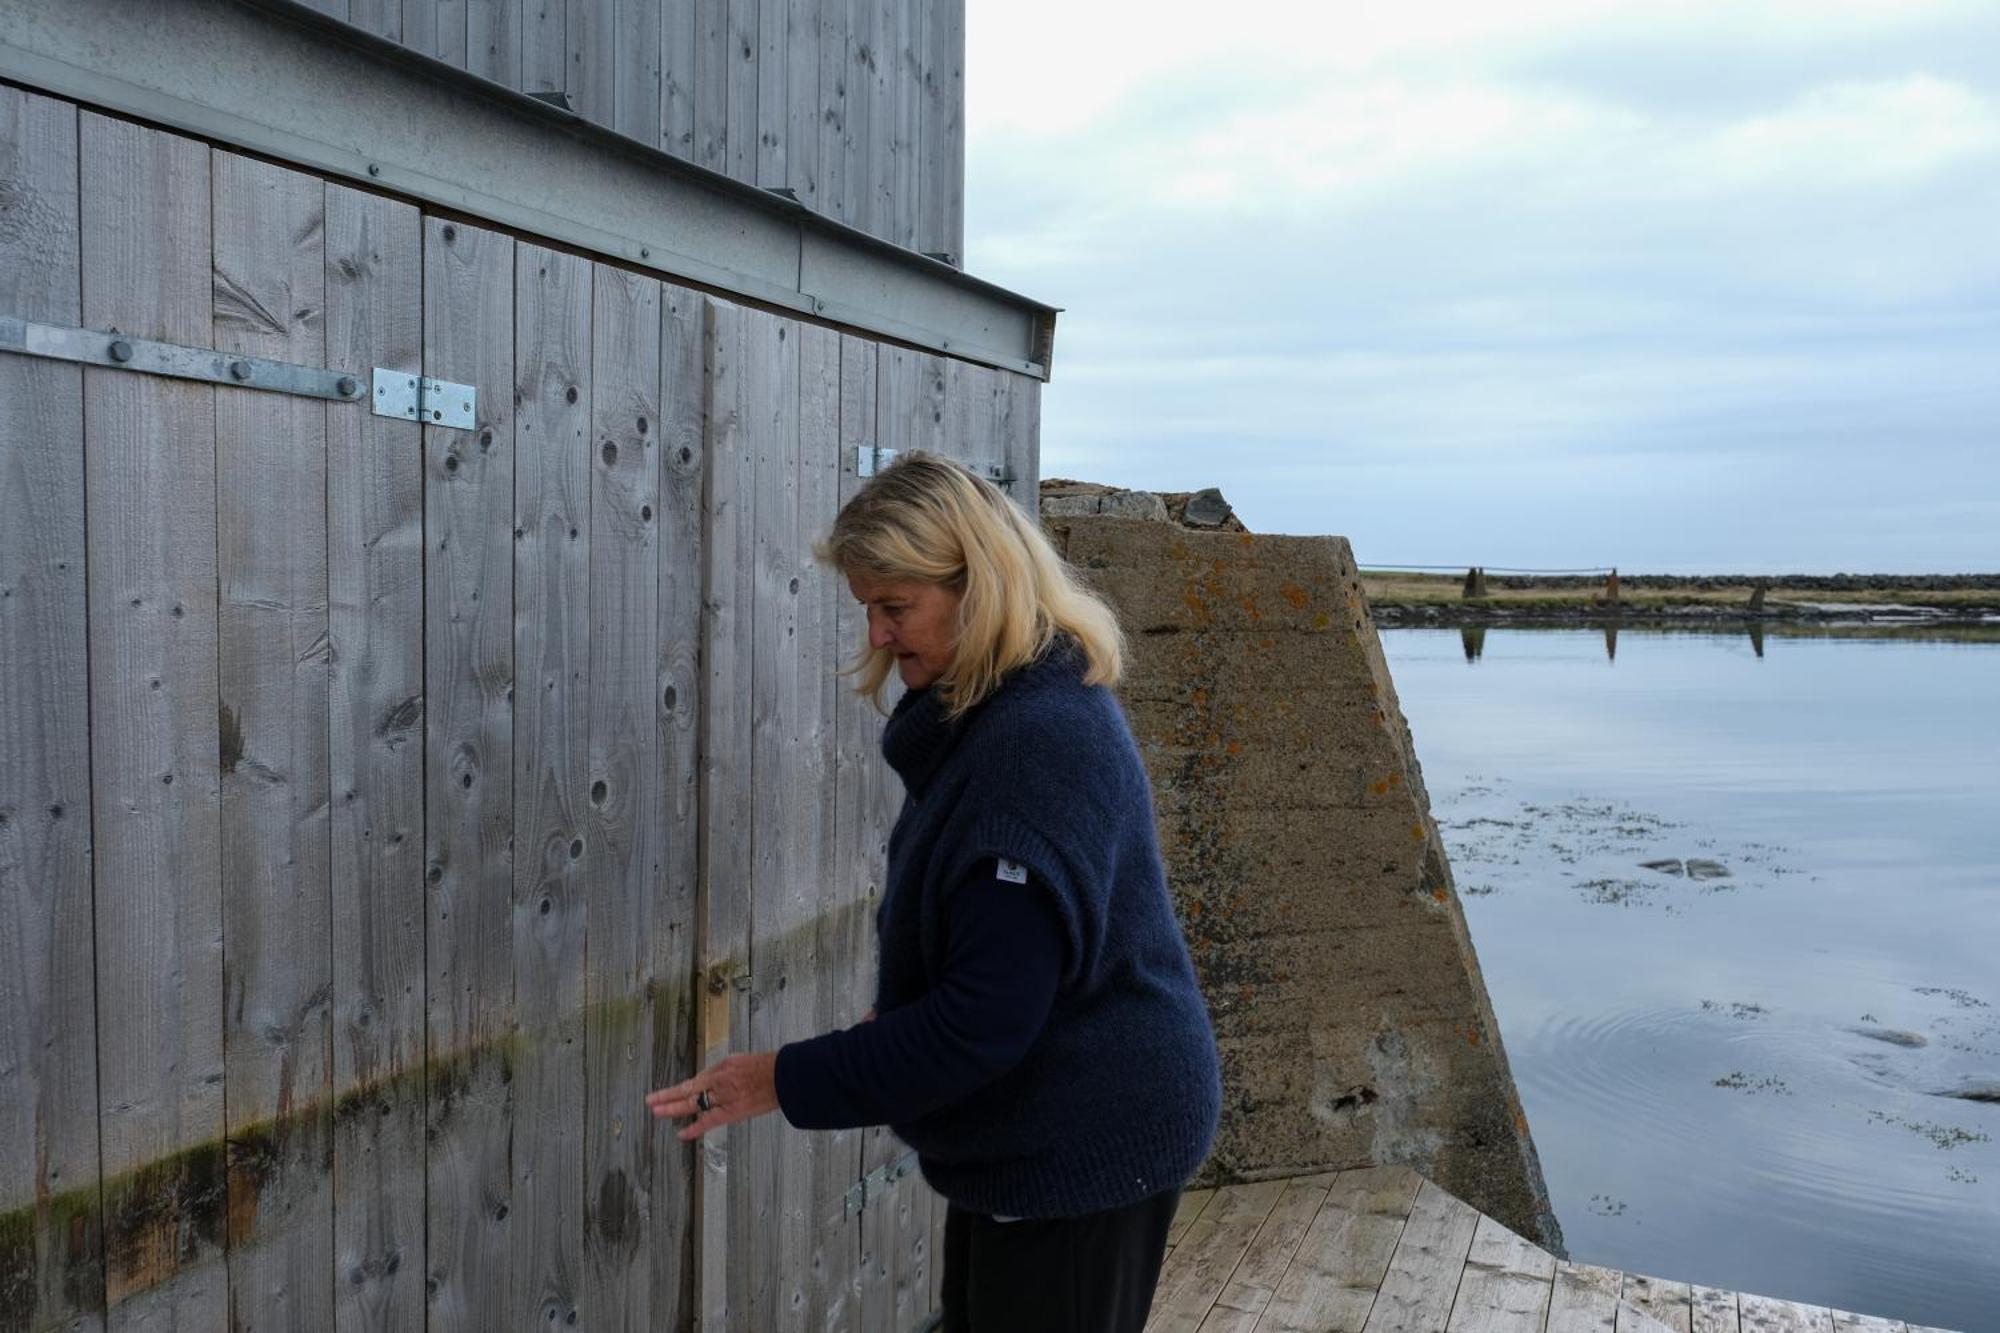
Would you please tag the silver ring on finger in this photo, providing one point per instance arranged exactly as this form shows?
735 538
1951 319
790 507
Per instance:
703 1102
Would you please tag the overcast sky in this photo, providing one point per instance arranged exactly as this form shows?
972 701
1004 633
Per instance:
1672 286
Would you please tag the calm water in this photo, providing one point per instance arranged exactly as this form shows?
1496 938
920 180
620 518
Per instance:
1733 1076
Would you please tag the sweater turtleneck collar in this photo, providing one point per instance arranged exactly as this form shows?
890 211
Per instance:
918 736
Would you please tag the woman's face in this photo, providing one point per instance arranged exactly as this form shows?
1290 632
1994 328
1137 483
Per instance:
918 622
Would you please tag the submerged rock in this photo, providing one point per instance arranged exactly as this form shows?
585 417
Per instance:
1700 869
1670 866
1973 1090
1894 1036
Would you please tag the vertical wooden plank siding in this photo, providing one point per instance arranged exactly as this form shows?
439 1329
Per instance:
764 1219
940 176
773 92
778 916
678 25
592 73
624 817
902 38
271 465
669 1245
150 476
493 40
803 107
384 18
711 63
636 76
52 1270
855 106
831 108
723 943
375 576
740 96
544 46
469 668
910 414
864 808
552 656
865 143
820 1171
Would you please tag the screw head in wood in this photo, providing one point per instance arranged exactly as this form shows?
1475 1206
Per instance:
239 370
120 350
346 387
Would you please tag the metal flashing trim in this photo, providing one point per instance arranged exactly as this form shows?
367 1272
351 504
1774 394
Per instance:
118 351
279 78
411 397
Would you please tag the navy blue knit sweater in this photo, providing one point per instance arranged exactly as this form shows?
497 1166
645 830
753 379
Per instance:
1118 1097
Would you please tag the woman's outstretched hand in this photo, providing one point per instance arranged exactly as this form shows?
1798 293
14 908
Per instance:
736 1088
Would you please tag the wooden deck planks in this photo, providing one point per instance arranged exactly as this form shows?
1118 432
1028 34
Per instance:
1664 1300
1506 1284
553 654
1712 1310
271 466
1263 1265
1584 1299
1846 1322
1416 1293
1331 1281
149 446
1208 1253
54 1271
469 667
1767 1314
375 577
1340 1277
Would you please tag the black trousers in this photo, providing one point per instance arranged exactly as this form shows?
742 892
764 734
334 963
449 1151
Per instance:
1090 1274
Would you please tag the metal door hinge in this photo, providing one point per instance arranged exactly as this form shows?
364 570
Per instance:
996 474
877 1183
413 397
118 351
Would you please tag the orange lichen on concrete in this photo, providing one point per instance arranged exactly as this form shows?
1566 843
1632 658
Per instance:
1296 595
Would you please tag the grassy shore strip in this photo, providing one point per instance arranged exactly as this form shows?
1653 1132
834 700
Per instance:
1429 596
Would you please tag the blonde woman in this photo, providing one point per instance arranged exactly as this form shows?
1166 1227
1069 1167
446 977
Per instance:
1037 1035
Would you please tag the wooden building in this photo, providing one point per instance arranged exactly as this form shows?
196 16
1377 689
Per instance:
418 729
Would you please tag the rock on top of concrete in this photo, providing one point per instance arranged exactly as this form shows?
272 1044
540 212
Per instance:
1203 509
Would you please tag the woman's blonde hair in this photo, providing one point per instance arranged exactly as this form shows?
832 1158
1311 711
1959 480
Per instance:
925 519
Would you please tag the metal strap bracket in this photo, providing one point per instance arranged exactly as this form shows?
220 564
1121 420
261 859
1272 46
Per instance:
412 397
868 460
877 1183
118 351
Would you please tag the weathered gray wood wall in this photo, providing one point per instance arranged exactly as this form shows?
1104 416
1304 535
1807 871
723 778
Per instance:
856 106
385 808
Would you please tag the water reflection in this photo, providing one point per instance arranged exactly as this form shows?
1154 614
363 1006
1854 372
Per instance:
1735 914
1611 641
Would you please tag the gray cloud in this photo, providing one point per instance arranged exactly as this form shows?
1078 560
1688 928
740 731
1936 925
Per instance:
1612 323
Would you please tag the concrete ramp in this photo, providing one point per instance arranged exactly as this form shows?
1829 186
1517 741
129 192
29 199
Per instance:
1309 876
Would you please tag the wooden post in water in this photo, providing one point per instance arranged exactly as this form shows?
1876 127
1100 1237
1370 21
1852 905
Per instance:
1475 583
1611 589
1757 592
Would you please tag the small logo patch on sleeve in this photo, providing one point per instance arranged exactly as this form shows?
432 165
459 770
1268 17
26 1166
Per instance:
1011 871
